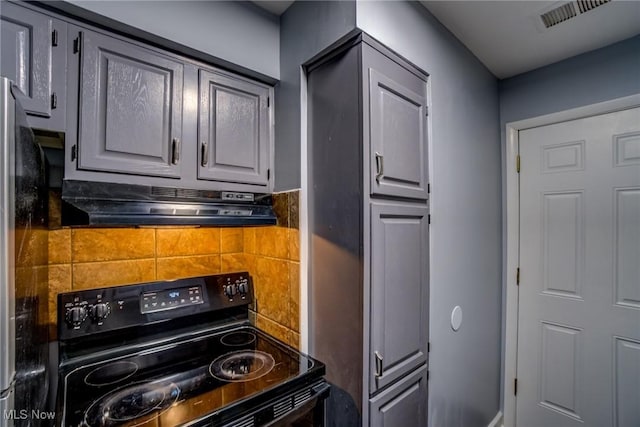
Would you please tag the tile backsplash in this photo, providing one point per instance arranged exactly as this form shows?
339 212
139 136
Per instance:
85 258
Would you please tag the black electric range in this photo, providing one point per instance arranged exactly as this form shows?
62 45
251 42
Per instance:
179 353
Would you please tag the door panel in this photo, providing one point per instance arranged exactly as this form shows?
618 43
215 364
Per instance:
627 387
399 291
579 293
627 247
130 108
233 130
397 128
403 404
26 55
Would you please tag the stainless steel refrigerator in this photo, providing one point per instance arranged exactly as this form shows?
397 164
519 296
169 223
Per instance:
23 267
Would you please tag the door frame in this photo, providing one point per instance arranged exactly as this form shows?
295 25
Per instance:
511 193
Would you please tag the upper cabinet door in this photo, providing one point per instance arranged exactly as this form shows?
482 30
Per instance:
130 118
26 46
399 322
397 128
234 130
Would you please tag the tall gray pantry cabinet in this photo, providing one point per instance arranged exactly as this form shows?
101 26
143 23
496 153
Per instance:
369 225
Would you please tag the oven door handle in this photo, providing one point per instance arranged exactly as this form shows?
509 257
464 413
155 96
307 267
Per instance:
321 390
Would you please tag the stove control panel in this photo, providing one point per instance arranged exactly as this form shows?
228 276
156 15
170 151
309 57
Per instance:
169 299
87 312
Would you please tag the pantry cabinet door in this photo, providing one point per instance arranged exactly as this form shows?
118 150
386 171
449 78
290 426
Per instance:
396 104
399 321
234 130
403 404
130 118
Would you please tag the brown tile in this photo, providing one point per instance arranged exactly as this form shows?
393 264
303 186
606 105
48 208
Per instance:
294 209
250 263
249 240
174 268
187 241
272 328
59 282
294 340
231 240
294 244
109 244
100 274
55 209
294 295
60 246
271 284
273 242
281 208
232 262
31 247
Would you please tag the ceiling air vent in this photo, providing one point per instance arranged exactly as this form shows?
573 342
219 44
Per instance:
566 11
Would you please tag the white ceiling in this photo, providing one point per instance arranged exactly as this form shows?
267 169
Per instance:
507 36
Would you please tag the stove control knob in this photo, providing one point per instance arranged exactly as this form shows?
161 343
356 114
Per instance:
100 311
230 291
76 315
243 288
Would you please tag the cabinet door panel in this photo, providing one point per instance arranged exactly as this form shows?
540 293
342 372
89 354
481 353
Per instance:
397 129
404 404
399 291
130 108
233 130
26 55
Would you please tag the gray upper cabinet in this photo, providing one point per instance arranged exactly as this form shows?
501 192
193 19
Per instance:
130 108
397 127
399 324
233 130
32 44
402 405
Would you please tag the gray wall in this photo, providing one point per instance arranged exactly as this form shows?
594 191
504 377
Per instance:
466 251
306 28
238 32
600 75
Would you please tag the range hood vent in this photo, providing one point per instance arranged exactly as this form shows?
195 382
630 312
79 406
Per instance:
108 205
570 10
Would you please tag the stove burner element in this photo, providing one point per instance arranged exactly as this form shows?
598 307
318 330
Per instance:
241 366
235 339
130 403
111 373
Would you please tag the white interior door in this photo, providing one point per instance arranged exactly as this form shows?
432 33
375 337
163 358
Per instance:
579 296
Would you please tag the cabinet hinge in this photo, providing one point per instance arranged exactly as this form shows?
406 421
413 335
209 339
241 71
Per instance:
518 276
54 101
268 174
428 375
429 219
426 111
54 38
76 45
268 101
518 163
515 387
428 347
428 188
74 152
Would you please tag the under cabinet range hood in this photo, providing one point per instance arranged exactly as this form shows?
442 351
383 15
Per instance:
108 205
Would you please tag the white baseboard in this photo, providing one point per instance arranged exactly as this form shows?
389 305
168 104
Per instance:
496 421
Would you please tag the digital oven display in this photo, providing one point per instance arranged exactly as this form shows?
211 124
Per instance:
151 302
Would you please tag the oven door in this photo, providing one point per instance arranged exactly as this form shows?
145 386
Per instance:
302 408
311 413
